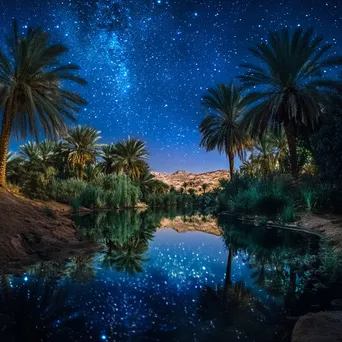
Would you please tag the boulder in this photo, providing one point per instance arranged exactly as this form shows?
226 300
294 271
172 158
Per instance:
323 326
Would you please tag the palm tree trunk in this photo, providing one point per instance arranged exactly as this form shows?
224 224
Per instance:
228 278
231 164
290 131
4 143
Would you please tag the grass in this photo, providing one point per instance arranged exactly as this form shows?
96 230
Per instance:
105 191
273 196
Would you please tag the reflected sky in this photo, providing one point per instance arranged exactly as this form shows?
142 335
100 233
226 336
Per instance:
169 286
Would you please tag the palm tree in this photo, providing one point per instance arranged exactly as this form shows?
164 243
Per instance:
81 147
30 152
130 158
32 96
221 128
14 167
265 153
149 184
250 167
291 91
280 142
205 186
108 155
47 152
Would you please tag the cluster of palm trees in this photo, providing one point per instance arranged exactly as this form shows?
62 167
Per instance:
80 155
283 94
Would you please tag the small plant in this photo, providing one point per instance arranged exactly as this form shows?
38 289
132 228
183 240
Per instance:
288 214
309 198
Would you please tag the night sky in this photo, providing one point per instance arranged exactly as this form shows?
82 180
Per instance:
148 62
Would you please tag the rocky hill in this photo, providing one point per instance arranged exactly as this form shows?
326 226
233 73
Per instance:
181 178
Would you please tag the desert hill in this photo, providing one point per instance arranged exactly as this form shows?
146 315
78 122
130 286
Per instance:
192 180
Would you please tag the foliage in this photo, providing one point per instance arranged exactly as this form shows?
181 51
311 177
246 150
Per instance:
221 128
105 191
129 158
150 185
327 147
81 147
65 191
276 196
171 199
287 88
33 97
37 184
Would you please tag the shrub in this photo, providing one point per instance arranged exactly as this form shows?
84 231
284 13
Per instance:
288 213
309 197
92 197
105 191
65 191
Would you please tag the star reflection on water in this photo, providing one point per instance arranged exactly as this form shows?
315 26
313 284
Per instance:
204 279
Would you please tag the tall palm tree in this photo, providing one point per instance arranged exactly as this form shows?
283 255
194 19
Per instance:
108 155
32 97
130 158
221 128
81 147
291 91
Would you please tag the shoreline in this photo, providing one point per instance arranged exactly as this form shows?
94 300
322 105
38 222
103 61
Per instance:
31 233
326 226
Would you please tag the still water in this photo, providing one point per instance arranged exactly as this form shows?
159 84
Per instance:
163 277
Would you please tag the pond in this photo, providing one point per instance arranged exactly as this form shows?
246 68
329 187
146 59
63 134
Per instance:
163 277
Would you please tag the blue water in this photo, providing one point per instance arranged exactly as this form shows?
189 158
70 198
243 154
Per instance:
155 284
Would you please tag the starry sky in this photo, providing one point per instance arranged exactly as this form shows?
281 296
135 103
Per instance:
148 62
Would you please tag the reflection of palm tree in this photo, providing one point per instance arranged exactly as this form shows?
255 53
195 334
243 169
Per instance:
82 268
128 258
37 311
215 302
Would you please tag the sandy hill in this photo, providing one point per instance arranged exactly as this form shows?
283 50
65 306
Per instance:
193 180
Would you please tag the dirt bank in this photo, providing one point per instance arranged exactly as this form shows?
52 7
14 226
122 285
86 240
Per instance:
30 233
328 226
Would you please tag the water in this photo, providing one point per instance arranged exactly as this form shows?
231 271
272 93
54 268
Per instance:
188 283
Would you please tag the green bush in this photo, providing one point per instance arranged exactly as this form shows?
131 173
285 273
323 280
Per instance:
92 197
105 191
171 199
65 191
251 195
288 213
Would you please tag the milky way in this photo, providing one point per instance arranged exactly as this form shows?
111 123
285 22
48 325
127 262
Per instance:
148 62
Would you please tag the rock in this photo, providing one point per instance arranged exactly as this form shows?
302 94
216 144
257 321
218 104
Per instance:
319 327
